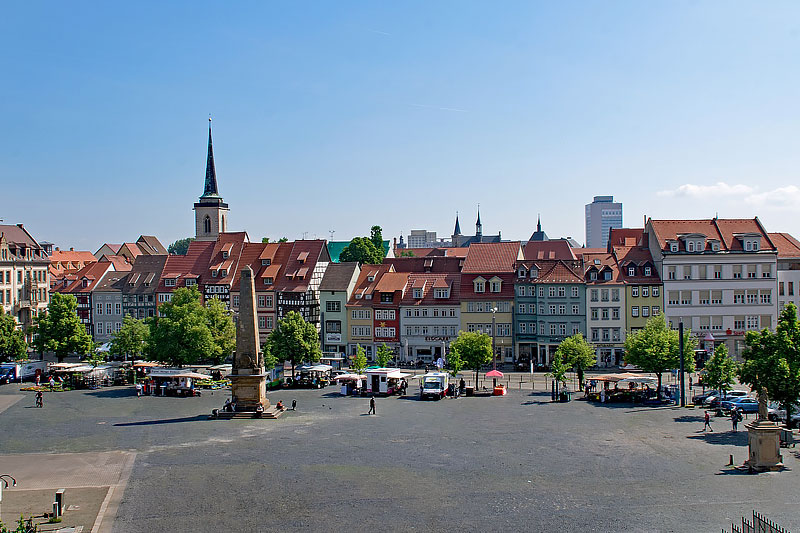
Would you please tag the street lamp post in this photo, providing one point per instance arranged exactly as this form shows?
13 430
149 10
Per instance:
494 353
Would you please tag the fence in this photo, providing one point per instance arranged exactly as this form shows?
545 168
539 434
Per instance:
760 524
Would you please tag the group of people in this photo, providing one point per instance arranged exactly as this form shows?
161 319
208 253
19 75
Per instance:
736 417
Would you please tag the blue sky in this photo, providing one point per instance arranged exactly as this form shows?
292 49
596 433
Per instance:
340 115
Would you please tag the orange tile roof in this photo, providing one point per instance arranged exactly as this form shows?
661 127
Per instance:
492 257
558 272
548 250
392 281
721 229
787 245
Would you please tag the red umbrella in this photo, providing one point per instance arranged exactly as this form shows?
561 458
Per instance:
494 374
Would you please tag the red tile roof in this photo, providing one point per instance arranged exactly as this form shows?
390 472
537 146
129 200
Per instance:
231 243
193 264
392 281
557 272
365 286
492 257
538 250
723 230
431 282
297 273
787 245
92 273
628 237
433 264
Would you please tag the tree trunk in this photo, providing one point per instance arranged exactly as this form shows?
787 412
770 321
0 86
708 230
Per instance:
788 408
60 357
580 377
658 391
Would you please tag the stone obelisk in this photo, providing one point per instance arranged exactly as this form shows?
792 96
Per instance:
248 379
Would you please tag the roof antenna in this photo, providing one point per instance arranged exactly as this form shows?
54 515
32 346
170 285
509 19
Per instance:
331 231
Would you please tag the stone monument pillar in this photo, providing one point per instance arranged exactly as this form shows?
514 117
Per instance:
248 379
763 440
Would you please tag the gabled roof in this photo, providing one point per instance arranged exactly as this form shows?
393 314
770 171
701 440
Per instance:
150 245
194 264
92 272
433 264
788 246
723 230
557 272
146 274
492 257
120 262
297 272
365 286
430 282
556 249
250 256
601 262
232 243
629 237
392 281
338 276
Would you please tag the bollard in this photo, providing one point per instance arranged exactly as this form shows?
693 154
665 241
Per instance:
55 510
730 460
60 501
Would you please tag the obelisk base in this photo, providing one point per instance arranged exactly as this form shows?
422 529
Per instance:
763 440
249 391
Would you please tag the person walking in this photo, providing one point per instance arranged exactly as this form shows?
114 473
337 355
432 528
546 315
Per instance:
707 423
294 405
52 383
735 419
138 390
39 399
372 406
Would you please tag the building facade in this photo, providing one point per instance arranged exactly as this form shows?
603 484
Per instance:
719 276
108 310
788 269
335 290
24 275
606 310
430 316
602 215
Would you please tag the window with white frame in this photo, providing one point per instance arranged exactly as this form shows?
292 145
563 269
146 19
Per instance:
645 291
169 282
575 309
645 311
479 285
575 292
635 311
647 270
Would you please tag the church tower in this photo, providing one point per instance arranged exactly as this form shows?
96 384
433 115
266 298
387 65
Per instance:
479 226
211 212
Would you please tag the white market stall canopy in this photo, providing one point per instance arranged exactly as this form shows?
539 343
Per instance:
625 376
314 368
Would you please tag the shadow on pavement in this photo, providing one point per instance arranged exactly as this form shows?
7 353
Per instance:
195 418
689 418
727 438
121 392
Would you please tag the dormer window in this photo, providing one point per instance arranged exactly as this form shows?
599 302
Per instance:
170 282
224 254
673 247
647 271
479 285
441 293
593 275
534 273
266 262
631 271
213 273
368 296
371 278
223 273
85 283
495 285
191 282
267 281
690 246
596 261
607 275
715 246
418 293
521 272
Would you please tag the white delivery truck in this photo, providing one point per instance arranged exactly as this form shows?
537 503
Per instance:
434 385
21 371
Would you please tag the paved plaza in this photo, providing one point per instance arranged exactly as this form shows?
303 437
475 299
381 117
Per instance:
516 462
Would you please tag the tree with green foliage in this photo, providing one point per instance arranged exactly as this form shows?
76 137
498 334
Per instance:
406 253
180 336
473 348
383 355
772 361
283 239
223 332
578 354
295 340
96 358
558 369
376 236
270 361
131 340
721 370
358 362
59 329
455 362
264 240
180 247
23 526
12 339
362 250
656 348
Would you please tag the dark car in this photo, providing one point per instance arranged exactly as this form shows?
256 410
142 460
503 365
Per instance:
699 399
744 405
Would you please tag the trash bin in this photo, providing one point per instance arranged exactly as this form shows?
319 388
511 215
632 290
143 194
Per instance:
564 396
470 391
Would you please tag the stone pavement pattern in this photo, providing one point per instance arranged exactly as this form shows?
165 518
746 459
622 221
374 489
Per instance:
517 462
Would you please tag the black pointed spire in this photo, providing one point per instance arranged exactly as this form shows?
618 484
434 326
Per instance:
210 189
457 231
539 224
478 225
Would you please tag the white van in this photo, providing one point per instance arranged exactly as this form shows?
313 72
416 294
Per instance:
434 385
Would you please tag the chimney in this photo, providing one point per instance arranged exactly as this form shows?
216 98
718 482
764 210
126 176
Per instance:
20 226
71 249
57 249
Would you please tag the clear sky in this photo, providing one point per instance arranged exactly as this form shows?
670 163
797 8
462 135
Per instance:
340 115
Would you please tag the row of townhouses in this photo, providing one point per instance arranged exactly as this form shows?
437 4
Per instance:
719 277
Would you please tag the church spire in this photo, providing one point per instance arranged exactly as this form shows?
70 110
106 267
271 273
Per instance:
539 224
210 189
457 231
478 225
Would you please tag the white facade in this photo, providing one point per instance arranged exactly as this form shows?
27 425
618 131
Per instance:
788 282
713 290
605 322
427 330
602 215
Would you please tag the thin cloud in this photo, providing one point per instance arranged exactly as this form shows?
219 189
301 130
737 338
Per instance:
424 106
781 198
379 32
708 191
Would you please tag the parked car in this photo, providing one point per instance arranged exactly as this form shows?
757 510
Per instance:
776 412
699 399
714 401
745 404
